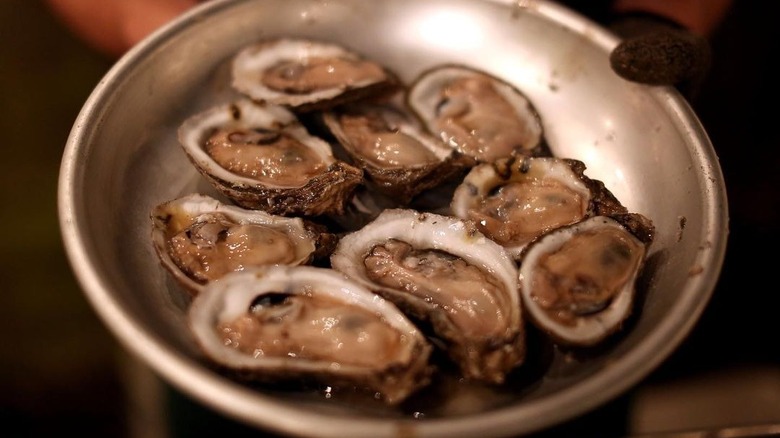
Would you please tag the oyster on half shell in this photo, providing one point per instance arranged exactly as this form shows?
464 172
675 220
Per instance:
399 157
514 200
313 324
262 157
481 116
578 282
198 239
442 270
305 75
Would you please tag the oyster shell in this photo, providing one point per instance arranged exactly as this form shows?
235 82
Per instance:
303 322
198 239
481 116
262 157
442 270
306 75
399 157
578 282
516 199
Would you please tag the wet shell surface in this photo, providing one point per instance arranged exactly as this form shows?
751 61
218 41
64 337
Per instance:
306 75
198 239
481 116
399 157
305 323
578 282
262 157
515 200
442 270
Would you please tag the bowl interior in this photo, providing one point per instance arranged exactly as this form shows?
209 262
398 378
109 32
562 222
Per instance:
644 143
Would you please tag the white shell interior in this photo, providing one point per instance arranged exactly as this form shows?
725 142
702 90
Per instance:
484 178
429 231
592 328
424 97
193 131
251 61
195 205
233 295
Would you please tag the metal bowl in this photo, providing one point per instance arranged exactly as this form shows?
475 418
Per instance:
644 143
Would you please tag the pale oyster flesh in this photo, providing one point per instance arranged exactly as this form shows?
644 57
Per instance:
470 297
262 157
305 74
482 117
578 282
514 200
271 157
399 157
308 323
199 239
442 270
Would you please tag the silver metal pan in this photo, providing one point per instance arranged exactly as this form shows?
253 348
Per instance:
122 158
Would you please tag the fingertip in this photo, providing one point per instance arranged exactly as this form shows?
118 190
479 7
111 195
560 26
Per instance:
664 58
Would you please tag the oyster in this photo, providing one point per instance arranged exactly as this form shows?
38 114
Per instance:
400 159
199 239
307 75
481 116
516 199
441 270
262 157
578 282
303 322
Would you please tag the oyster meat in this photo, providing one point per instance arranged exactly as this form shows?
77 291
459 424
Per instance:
479 115
199 239
262 157
442 270
578 282
306 75
399 157
455 225
307 323
514 200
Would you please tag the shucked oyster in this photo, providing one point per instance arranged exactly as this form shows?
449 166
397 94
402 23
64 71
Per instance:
514 200
199 239
307 75
306 323
578 282
481 116
400 159
262 157
442 270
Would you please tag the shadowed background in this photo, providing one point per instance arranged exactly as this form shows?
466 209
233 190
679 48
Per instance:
62 372
57 369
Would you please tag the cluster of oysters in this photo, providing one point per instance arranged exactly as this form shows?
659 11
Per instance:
367 223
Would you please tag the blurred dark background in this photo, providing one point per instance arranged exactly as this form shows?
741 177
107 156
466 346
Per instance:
62 372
